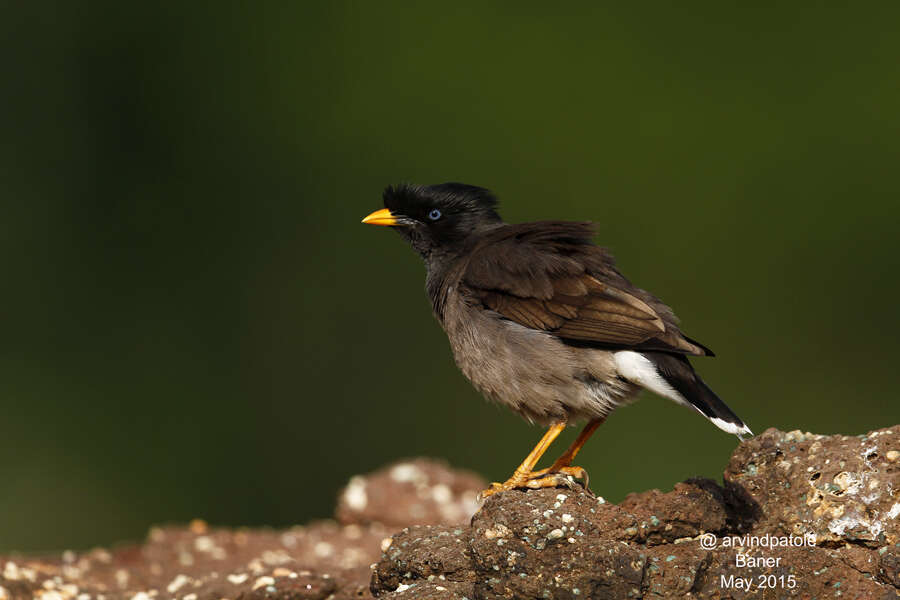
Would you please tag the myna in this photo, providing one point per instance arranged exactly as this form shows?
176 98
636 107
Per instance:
541 321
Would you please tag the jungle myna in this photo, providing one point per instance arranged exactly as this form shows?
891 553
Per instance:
542 322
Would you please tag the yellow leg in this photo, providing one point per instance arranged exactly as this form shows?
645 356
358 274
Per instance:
521 475
563 464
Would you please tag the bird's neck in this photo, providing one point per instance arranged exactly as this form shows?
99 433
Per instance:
444 265
442 271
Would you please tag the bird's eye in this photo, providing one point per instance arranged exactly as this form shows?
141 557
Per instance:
434 215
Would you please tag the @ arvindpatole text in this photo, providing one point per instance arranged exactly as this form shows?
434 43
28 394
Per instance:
709 541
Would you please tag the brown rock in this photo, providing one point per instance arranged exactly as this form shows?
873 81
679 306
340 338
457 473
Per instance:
775 537
839 488
413 492
671 574
546 543
889 566
423 553
693 507
834 494
433 591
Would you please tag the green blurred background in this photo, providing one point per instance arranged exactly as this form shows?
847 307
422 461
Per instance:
196 323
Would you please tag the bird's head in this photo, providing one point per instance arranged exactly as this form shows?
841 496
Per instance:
437 218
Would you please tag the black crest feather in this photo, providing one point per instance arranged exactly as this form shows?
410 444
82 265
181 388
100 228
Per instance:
408 198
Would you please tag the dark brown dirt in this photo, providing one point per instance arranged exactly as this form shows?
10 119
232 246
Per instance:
834 494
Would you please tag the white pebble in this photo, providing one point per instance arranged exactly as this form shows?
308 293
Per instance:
204 543
323 549
355 495
177 583
895 510
441 494
406 472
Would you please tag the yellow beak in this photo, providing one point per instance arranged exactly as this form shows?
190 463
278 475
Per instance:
381 217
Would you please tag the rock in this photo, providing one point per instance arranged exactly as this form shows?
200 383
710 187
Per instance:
424 552
694 506
798 516
414 492
839 488
326 559
434 591
548 543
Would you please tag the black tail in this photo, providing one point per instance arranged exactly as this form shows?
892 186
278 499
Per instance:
679 374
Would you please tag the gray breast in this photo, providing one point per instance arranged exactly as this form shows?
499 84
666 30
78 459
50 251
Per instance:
530 371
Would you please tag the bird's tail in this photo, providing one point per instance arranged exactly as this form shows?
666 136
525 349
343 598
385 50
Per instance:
671 376
678 373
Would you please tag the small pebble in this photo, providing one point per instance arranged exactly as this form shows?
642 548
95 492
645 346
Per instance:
264 581
177 583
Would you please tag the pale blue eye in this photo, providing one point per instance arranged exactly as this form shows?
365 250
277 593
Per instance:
434 215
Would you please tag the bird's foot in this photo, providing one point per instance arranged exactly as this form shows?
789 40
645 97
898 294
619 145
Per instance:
576 472
553 477
518 480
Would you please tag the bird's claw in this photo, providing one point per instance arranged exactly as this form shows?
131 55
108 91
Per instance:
564 475
553 477
510 484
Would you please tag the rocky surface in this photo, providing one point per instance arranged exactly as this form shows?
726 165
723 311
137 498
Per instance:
797 516
327 559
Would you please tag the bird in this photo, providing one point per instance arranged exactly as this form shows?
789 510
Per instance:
541 321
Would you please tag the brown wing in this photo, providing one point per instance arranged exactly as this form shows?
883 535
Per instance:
549 276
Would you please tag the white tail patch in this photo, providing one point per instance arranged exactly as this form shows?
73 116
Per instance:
731 427
638 369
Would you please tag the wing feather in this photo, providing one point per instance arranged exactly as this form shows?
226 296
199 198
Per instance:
550 276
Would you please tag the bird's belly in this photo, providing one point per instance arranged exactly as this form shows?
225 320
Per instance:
532 372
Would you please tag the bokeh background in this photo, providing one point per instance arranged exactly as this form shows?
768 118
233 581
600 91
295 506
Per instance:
196 324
